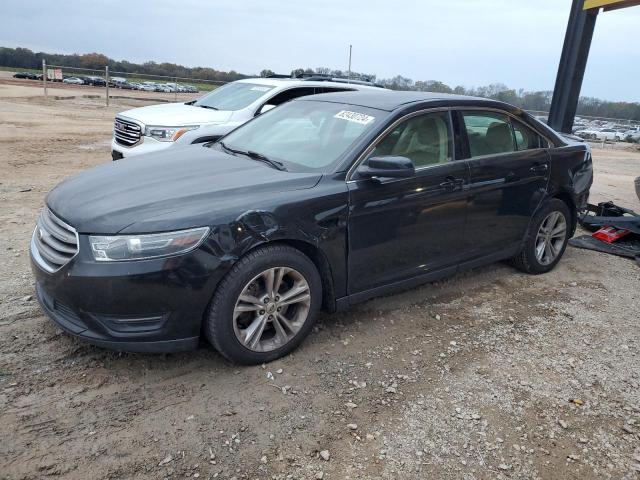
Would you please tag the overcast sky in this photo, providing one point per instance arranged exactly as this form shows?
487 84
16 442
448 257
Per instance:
459 42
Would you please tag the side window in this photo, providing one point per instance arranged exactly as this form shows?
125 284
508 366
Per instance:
488 133
425 139
526 139
290 95
332 90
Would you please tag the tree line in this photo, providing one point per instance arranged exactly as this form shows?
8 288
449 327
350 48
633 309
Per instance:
528 100
25 58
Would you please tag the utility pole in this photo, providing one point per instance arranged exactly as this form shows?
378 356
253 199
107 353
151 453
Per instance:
44 76
106 83
349 72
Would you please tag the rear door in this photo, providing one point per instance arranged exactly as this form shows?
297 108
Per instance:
509 172
403 228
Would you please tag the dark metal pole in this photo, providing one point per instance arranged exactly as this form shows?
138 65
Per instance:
573 62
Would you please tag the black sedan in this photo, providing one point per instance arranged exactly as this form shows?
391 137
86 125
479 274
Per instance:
27 75
320 203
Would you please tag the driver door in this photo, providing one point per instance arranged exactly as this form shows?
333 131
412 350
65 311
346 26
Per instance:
409 228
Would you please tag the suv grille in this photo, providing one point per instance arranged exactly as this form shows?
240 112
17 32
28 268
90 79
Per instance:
54 243
126 132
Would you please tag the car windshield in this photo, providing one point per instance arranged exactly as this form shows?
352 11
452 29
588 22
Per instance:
233 96
305 136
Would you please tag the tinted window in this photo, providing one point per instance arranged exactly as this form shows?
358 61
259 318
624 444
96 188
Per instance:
488 133
526 138
305 135
290 94
425 139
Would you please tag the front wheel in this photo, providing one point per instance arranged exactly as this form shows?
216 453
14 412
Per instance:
546 239
265 306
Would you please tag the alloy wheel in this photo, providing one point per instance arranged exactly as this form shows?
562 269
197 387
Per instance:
271 309
551 237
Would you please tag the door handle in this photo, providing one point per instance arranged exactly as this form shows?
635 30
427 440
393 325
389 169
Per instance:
541 168
452 183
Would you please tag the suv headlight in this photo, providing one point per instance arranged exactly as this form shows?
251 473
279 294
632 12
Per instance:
167 134
139 247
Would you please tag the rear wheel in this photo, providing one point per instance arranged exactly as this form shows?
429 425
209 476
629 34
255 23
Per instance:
546 239
265 306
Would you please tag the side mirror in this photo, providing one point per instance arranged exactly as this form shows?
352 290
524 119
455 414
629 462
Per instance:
386 167
265 108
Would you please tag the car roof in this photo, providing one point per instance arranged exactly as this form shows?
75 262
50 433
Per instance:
390 100
296 82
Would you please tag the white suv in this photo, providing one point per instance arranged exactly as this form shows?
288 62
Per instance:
147 129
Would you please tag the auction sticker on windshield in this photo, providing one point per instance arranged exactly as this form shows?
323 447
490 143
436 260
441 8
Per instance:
355 117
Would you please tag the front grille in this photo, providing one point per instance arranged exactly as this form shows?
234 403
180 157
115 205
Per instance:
54 243
126 132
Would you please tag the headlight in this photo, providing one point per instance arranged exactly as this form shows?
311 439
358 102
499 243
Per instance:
138 247
167 134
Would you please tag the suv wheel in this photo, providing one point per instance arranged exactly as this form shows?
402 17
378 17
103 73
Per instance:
265 306
546 239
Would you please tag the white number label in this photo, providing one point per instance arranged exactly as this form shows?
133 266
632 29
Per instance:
355 117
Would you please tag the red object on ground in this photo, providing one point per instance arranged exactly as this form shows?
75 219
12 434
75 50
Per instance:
610 234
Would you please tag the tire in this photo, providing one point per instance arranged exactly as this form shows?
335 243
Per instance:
638 187
528 260
228 331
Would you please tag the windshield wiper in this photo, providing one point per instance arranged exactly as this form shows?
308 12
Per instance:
256 156
263 158
207 106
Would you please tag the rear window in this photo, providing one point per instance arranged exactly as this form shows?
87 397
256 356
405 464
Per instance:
526 139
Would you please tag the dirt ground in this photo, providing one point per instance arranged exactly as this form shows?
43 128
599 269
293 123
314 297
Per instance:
491 374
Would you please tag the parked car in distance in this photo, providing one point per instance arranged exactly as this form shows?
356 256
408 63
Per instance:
73 80
631 136
26 75
322 202
601 134
156 127
608 134
95 81
148 87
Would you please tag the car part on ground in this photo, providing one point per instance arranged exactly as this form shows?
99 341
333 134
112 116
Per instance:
342 197
607 214
627 247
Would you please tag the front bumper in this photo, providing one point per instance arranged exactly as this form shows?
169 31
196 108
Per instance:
146 145
140 306
72 323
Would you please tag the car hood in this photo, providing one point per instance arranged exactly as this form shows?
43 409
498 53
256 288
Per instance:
182 187
176 114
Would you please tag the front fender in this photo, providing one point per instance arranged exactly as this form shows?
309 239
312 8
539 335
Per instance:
314 220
